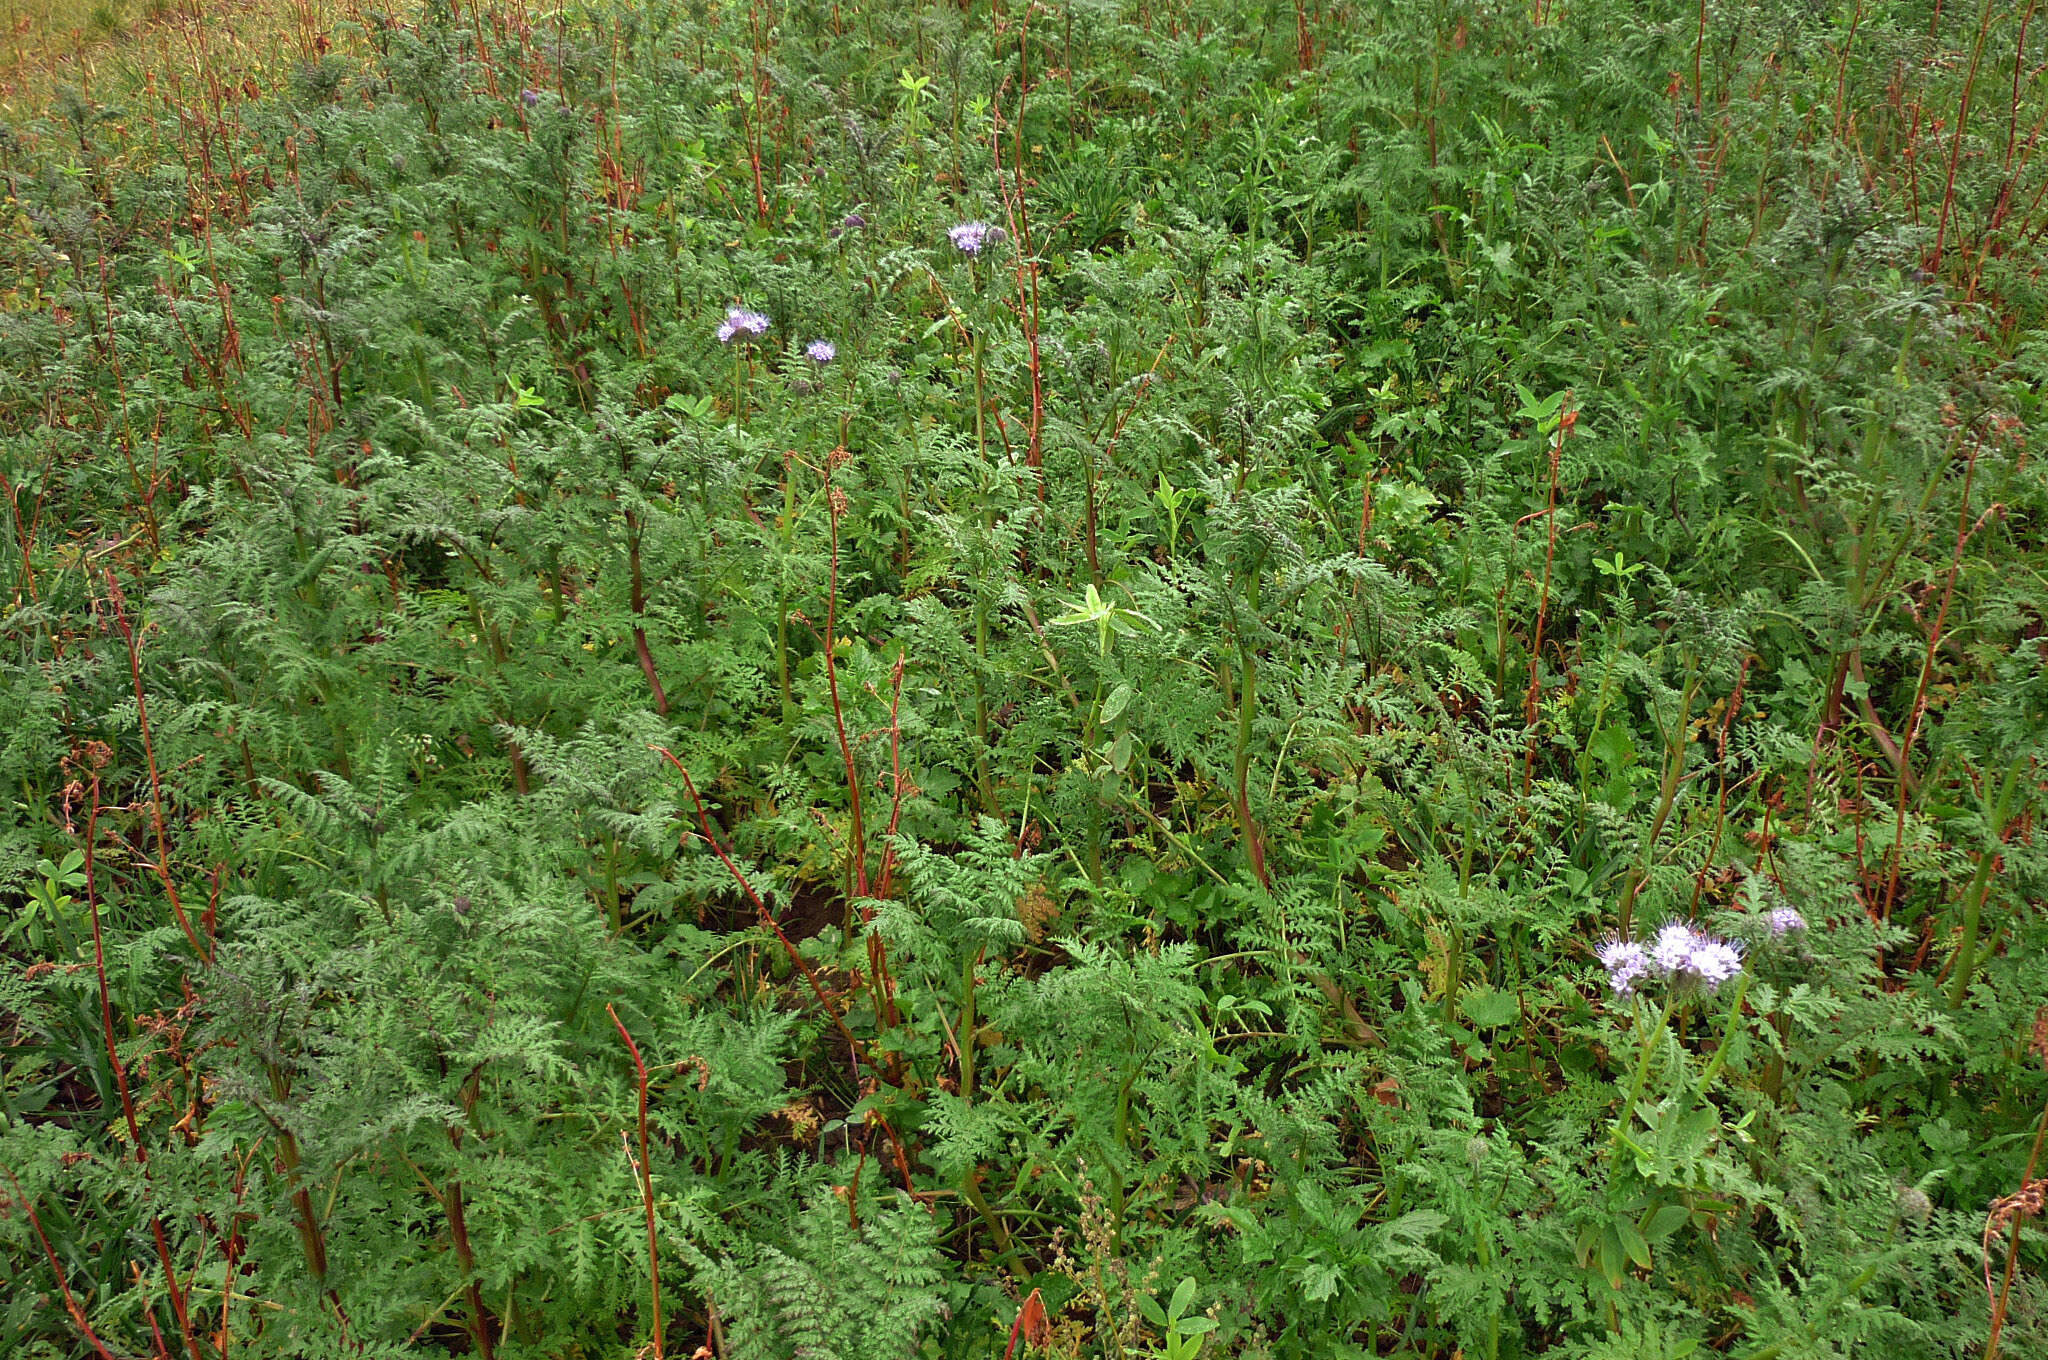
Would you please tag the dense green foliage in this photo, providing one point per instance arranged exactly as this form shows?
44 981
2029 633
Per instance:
1405 492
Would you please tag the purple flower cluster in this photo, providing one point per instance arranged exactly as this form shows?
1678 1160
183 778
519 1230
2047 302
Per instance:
1784 920
969 237
739 321
1679 953
821 352
1626 964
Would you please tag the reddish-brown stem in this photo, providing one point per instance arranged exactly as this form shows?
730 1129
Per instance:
56 1268
1566 418
1365 511
1964 531
789 946
853 1188
99 958
1721 799
896 1147
1698 44
2003 206
24 537
2019 62
856 848
231 1248
1026 255
753 121
639 604
1841 70
646 1177
465 1260
1999 1304
178 1306
895 773
1908 783
1955 148
156 794
878 957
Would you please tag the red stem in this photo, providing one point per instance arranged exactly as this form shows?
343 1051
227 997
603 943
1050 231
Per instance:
1955 149
231 1246
1700 42
895 773
789 947
99 958
1964 531
878 957
1026 259
1999 1304
856 844
156 796
23 535
63 1286
1566 418
646 1175
2019 61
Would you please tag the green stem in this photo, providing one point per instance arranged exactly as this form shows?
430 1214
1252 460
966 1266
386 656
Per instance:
782 602
1642 1077
981 770
980 414
1674 770
968 1022
1980 890
1714 1064
1241 764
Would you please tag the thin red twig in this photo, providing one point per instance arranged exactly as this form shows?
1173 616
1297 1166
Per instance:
156 795
56 1268
646 1176
803 965
856 842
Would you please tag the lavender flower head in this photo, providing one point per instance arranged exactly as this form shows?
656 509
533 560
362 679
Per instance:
1784 920
1674 947
1626 962
529 97
1680 954
850 222
1686 954
821 352
969 237
1714 962
738 322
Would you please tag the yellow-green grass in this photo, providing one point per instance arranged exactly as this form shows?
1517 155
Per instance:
105 48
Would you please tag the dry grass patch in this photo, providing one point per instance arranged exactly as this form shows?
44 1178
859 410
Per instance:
104 48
